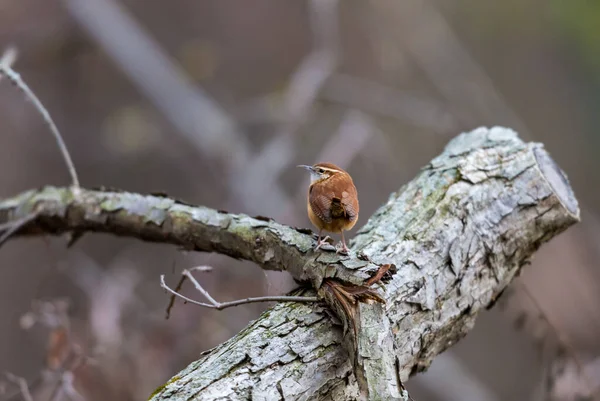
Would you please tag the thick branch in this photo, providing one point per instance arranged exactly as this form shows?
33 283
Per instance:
458 234
272 246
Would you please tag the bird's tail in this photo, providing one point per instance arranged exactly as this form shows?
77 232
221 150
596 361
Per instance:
337 209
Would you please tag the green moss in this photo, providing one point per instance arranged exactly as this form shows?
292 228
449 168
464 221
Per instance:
111 204
16 201
178 218
159 389
65 195
243 231
443 210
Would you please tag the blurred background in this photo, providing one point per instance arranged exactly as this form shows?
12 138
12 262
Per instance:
216 102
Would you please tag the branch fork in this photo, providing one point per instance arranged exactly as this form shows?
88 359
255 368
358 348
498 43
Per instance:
214 304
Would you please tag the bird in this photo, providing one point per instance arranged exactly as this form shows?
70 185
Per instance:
332 201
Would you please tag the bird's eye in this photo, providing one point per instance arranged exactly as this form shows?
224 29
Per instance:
321 171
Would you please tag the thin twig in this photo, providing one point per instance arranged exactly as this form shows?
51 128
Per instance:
15 78
23 386
200 269
172 298
198 287
12 227
223 305
8 58
180 285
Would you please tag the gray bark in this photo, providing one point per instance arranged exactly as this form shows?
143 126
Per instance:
457 235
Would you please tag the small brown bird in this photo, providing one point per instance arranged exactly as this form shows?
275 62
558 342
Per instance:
332 201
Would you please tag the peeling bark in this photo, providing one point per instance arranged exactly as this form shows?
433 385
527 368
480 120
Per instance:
457 234
270 245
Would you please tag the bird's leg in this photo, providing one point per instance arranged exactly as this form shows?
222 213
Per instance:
321 242
344 249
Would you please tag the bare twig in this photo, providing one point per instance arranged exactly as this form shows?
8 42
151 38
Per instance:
224 305
173 295
11 227
180 285
8 58
15 78
201 269
23 386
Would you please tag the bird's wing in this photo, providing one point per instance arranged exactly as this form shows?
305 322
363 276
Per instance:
320 203
349 202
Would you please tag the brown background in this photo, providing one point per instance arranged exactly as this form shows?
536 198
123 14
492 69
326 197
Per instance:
376 86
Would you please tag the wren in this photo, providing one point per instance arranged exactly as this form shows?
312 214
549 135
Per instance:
332 201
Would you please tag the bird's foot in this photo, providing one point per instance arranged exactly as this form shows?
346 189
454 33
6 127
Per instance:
343 249
322 242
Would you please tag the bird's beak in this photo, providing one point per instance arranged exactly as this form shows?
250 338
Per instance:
309 168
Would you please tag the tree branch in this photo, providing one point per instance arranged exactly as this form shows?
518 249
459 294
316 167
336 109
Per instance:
214 304
457 235
270 245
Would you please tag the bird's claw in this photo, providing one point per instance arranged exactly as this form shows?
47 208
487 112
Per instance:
342 250
321 242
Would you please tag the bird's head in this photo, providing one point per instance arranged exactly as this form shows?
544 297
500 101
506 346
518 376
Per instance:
322 171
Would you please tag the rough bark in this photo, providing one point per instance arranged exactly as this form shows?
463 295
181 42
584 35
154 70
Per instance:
156 218
457 234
